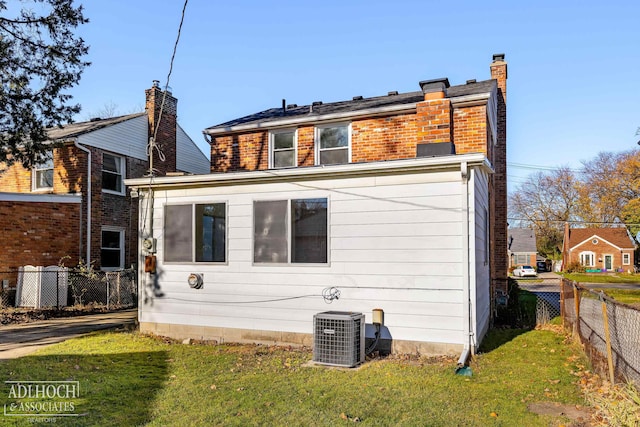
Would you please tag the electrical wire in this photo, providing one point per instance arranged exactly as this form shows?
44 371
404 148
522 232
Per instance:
152 144
328 294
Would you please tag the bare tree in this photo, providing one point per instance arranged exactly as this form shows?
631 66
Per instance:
544 202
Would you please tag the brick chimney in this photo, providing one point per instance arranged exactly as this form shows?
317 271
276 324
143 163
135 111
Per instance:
433 115
500 265
166 132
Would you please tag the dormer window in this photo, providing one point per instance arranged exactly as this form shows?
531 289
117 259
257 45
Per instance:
333 144
282 149
42 177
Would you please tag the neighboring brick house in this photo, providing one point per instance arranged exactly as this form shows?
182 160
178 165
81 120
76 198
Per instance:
396 202
598 249
522 247
90 220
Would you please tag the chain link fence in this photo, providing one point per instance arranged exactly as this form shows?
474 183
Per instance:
609 330
54 287
547 297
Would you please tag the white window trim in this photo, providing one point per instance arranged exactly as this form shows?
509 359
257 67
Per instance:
121 231
272 150
316 140
592 257
626 256
123 168
288 262
34 176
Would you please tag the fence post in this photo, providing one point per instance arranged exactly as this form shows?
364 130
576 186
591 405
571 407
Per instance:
562 301
106 276
607 336
58 288
118 286
576 323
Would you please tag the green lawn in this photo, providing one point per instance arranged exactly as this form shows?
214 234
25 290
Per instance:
626 296
127 379
603 278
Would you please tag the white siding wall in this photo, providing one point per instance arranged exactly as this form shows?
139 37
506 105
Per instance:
128 138
481 309
395 243
189 158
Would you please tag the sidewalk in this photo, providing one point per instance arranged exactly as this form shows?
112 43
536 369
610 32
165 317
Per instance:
25 338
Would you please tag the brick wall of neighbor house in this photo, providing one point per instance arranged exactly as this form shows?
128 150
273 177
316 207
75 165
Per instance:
70 176
113 210
15 179
600 249
38 233
396 137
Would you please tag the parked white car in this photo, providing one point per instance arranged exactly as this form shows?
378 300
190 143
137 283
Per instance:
524 271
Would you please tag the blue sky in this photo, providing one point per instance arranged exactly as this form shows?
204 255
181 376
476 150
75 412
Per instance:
573 87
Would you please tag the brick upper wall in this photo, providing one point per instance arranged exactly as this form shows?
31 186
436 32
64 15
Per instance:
372 139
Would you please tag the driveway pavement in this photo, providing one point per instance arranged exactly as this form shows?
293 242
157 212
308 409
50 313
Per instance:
22 339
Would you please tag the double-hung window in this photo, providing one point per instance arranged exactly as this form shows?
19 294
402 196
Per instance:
195 233
290 231
282 149
626 259
112 173
333 144
43 174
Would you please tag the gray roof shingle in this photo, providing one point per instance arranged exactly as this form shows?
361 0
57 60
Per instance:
74 129
524 240
274 114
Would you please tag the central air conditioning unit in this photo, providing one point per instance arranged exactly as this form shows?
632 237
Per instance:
338 338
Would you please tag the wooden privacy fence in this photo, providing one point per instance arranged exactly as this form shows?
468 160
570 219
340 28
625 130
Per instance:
608 329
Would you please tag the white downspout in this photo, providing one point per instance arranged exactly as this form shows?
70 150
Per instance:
86 150
466 279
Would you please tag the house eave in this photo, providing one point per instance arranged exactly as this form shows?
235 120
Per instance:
389 167
41 197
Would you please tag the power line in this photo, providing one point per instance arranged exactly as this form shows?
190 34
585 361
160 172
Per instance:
152 144
572 221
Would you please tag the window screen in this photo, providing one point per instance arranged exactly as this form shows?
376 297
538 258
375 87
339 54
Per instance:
309 230
211 233
270 231
178 233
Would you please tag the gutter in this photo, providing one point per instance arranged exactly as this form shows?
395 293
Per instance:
86 150
466 283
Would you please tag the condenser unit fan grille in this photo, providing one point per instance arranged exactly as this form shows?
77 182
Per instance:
338 338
